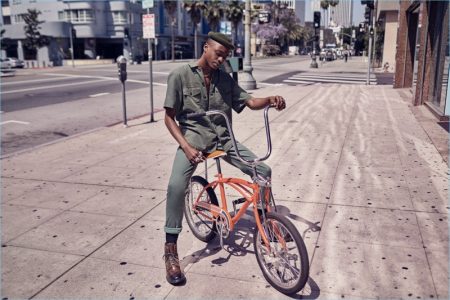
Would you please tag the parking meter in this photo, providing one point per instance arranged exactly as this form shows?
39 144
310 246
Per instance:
122 66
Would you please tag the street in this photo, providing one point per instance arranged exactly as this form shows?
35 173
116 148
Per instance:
41 106
44 105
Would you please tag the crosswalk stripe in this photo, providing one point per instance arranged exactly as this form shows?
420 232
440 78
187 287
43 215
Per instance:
304 80
333 75
330 78
342 78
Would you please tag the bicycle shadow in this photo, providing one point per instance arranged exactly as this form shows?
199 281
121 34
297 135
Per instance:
285 211
236 244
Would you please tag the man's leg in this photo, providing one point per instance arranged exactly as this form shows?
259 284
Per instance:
182 171
232 159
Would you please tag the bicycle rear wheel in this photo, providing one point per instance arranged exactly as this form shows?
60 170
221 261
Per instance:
200 221
286 267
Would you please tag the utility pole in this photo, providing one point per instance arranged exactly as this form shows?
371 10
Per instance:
370 5
247 81
71 43
150 64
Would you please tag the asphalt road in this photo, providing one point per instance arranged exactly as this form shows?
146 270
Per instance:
40 106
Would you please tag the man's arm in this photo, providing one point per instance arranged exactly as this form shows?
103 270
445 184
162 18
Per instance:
192 154
259 103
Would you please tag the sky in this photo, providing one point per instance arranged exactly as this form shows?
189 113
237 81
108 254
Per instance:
358 11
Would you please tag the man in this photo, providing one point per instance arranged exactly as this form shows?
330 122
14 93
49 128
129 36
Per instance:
199 87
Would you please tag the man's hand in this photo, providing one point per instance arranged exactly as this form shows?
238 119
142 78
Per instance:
278 102
259 103
193 155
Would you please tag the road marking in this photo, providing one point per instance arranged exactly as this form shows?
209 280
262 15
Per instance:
271 84
51 86
34 80
105 78
98 95
14 121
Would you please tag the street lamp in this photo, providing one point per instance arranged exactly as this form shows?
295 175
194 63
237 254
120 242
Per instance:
246 81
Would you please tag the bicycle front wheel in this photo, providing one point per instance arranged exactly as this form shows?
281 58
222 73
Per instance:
200 220
286 266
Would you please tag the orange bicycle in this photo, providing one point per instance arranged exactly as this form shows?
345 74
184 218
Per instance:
280 251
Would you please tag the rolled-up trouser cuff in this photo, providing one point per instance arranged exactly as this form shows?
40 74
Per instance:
172 230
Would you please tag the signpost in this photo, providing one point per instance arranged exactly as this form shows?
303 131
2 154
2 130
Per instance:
148 23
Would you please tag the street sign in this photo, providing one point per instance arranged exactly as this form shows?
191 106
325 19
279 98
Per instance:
225 27
148 26
147 4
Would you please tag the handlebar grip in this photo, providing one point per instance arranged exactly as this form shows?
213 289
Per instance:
195 115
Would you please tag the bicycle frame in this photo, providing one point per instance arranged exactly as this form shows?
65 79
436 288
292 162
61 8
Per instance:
248 190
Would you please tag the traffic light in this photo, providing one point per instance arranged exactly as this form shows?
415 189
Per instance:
362 27
74 33
317 19
369 3
126 33
367 15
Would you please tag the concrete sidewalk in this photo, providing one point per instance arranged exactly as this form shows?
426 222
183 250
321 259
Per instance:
352 168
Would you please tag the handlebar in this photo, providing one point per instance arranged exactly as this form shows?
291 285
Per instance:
233 140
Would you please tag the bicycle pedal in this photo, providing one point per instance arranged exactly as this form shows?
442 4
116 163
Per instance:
239 201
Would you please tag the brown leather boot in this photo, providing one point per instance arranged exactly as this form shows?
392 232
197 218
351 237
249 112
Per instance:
173 271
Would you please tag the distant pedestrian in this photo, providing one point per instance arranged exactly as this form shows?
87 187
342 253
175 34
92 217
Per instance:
345 55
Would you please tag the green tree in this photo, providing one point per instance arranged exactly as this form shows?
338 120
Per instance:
194 9
34 40
171 7
235 14
213 12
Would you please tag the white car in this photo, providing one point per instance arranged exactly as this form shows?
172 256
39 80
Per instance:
15 62
5 64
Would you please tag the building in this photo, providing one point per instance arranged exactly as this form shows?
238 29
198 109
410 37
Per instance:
101 29
422 57
298 6
387 18
341 15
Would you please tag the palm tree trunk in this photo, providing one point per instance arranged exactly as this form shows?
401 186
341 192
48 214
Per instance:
195 42
172 32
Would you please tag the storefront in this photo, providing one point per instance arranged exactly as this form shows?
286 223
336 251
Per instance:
423 53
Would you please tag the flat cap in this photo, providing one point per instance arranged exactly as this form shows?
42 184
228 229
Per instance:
221 39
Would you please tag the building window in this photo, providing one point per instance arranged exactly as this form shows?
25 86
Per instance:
6 20
119 17
79 15
15 2
19 18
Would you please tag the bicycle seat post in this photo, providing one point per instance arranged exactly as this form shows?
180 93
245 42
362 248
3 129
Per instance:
219 169
206 170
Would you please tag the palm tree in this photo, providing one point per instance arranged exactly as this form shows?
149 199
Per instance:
213 13
194 9
235 13
324 4
171 7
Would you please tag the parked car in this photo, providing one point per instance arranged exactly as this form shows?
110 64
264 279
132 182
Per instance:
181 52
15 62
5 64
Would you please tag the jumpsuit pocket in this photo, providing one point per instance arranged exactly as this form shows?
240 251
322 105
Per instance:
193 99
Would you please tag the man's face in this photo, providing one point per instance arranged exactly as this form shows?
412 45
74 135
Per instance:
215 54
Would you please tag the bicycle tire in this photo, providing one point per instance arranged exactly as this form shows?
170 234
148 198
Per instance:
291 237
203 230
